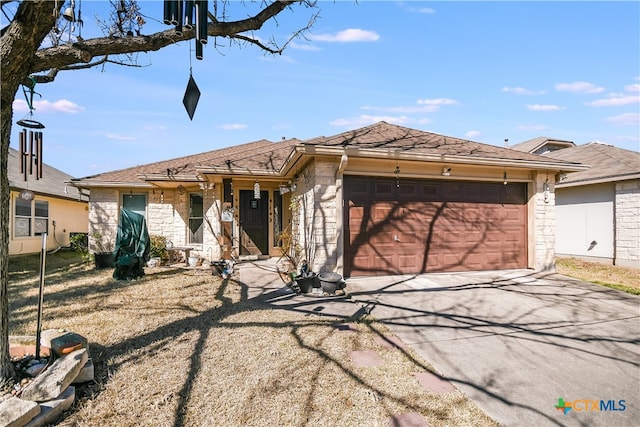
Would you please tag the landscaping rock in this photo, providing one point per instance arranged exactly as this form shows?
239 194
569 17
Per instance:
15 412
87 373
51 383
61 341
51 410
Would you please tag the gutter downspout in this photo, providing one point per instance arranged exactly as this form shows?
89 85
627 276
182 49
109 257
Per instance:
340 214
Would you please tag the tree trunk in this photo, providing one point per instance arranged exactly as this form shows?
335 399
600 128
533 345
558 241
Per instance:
19 43
21 57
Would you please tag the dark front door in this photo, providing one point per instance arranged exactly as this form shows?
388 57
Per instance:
254 223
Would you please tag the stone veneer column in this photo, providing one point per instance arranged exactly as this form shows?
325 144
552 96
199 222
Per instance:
544 225
320 232
627 214
104 213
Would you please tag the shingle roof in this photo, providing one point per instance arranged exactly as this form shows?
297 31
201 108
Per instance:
533 144
51 184
266 157
262 155
388 137
607 163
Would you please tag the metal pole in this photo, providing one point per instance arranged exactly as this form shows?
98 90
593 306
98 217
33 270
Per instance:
43 255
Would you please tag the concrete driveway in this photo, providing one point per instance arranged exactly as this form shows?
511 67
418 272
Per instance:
517 341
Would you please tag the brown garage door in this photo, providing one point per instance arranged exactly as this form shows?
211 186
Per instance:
416 226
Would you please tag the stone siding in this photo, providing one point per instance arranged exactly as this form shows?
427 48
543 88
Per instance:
544 226
104 212
627 214
319 235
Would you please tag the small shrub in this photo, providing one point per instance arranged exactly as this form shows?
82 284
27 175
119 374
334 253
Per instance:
158 247
79 243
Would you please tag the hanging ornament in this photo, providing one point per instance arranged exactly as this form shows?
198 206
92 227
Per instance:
31 139
256 190
191 97
188 15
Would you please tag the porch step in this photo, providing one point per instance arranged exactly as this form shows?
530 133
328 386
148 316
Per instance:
252 257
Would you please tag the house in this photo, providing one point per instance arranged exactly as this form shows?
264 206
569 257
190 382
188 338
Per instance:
382 199
597 209
42 203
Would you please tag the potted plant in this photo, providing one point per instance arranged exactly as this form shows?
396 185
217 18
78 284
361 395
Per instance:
158 252
293 269
102 249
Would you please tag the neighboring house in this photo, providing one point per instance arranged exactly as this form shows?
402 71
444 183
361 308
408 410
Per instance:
597 210
42 205
382 199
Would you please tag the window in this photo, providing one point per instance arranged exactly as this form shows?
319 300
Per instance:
31 218
135 203
196 210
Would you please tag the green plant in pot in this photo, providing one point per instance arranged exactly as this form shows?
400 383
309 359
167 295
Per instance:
292 267
158 248
102 246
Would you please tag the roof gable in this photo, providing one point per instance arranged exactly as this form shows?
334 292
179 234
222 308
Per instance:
607 163
52 183
261 155
542 144
388 137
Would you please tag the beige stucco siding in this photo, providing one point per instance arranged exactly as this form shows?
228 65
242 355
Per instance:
70 217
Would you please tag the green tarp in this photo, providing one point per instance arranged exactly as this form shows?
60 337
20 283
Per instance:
131 252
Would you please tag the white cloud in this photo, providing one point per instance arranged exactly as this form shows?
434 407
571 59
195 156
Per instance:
404 109
579 87
365 120
521 91
544 107
425 10
121 137
347 36
155 127
615 100
437 101
531 127
306 46
60 106
633 87
277 58
626 119
424 106
233 126
473 134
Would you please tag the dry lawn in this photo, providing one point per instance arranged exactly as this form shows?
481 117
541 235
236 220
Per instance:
184 348
621 278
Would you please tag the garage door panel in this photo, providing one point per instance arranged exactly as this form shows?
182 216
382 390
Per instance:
416 232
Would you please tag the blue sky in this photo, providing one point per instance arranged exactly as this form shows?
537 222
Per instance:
484 71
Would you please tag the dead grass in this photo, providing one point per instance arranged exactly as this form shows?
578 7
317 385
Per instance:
181 348
611 276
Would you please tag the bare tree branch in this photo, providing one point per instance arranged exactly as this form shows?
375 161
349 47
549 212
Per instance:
84 51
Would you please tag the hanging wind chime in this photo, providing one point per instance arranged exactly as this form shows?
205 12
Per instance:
31 139
185 15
